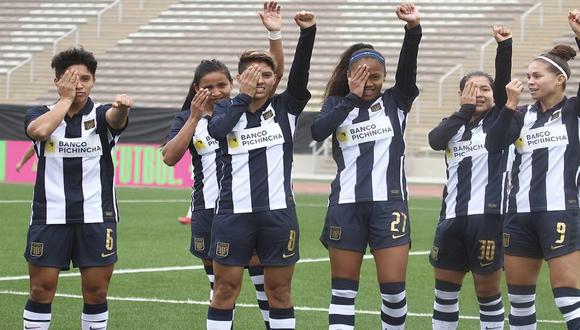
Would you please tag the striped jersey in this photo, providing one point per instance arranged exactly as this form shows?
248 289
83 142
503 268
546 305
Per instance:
202 148
75 175
547 156
368 143
256 149
256 156
476 179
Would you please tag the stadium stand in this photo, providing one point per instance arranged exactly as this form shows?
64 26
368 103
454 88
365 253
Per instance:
154 60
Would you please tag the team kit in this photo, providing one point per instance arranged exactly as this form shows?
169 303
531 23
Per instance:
510 202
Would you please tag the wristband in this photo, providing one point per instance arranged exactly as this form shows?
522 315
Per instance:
274 35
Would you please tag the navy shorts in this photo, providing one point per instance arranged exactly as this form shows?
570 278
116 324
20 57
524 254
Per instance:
273 235
201 232
539 235
469 243
379 225
85 244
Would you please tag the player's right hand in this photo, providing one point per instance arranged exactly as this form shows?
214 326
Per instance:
514 90
357 79
198 103
67 84
469 94
574 21
248 80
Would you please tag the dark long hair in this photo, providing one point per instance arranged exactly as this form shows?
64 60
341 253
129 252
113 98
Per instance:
204 68
338 83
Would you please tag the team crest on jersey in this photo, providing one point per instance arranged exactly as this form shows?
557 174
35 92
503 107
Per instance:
268 114
435 253
36 249
233 142
49 146
376 107
335 233
199 244
506 240
89 124
556 115
222 249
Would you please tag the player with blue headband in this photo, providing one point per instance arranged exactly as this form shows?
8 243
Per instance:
368 199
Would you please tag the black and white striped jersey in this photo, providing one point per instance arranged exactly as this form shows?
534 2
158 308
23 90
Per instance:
256 149
368 143
202 148
476 179
75 175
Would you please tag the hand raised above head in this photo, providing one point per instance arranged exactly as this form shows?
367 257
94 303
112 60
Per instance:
409 13
270 16
305 19
501 33
574 21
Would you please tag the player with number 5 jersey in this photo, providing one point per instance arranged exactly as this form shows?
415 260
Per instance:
74 208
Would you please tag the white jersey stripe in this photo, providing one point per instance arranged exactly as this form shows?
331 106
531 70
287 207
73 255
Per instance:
53 185
241 191
275 163
379 171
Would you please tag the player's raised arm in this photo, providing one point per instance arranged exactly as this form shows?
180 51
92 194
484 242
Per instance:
271 17
503 63
406 75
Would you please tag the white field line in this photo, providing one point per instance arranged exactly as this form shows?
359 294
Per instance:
178 268
206 303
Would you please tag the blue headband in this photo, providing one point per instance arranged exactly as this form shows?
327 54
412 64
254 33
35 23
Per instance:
367 53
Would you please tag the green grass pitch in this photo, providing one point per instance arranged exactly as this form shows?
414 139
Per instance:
146 293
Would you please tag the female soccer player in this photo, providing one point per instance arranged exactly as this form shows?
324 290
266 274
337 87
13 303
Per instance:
74 209
368 199
212 82
468 235
255 207
542 220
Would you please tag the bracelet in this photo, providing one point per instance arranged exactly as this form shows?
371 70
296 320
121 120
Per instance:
274 35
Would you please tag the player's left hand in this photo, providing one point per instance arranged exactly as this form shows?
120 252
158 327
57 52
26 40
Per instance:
409 13
501 33
123 102
270 16
574 21
305 19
